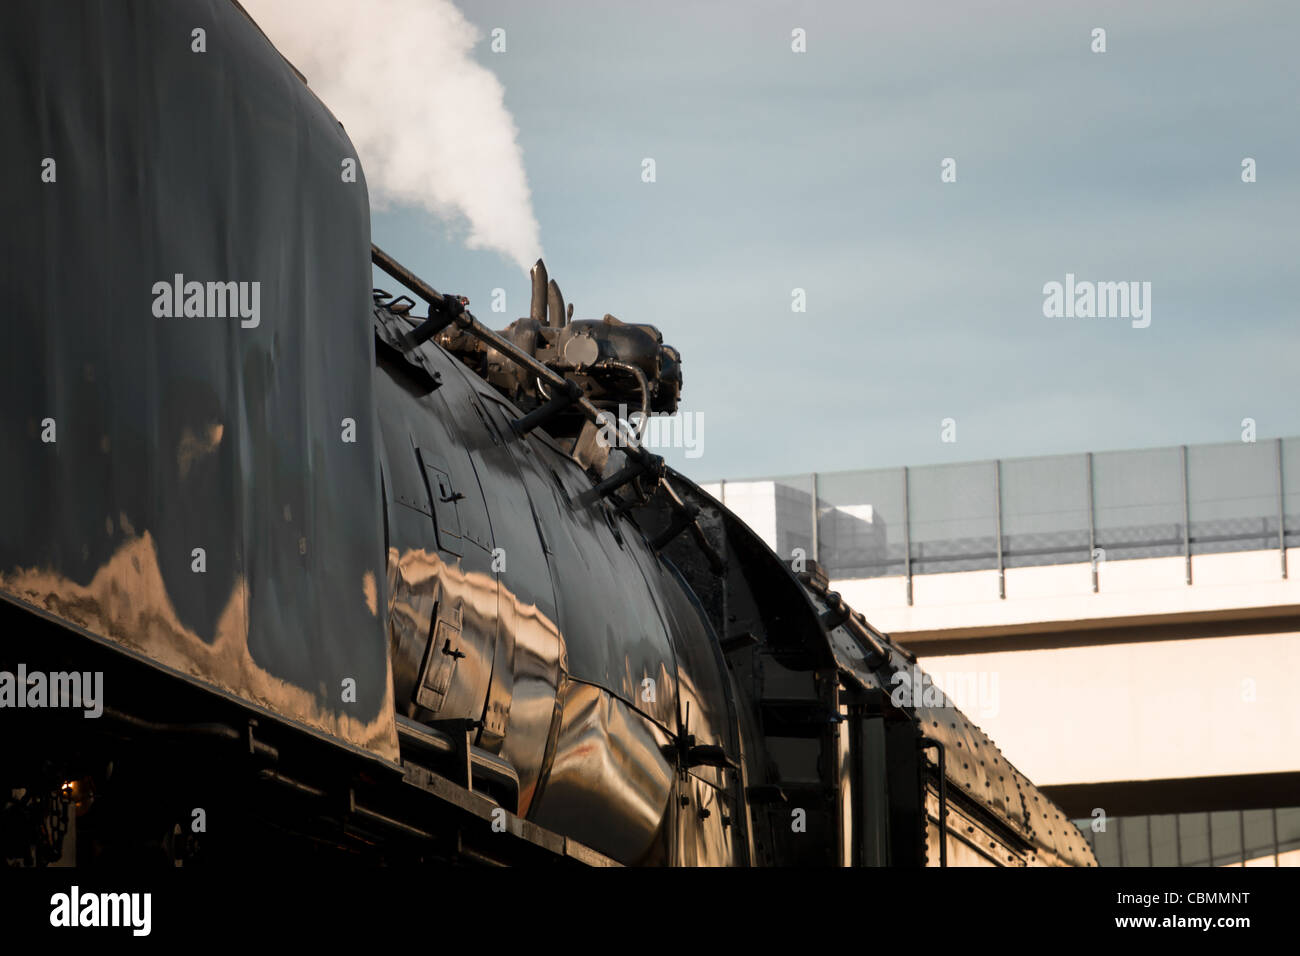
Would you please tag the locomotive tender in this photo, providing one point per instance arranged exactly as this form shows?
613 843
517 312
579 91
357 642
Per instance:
359 583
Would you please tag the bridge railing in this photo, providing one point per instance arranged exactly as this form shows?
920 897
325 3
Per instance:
1023 512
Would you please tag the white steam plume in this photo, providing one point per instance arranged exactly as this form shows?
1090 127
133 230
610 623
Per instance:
429 123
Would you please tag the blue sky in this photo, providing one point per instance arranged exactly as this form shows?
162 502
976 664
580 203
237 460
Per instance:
821 171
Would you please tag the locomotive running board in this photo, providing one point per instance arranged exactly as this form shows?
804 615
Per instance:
499 824
478 764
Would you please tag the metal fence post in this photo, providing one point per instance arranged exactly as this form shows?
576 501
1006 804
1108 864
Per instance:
1281 510
1187 516
1092 526
816 548
907 537
997 515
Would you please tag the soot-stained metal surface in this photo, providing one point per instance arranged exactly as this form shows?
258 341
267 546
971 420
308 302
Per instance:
178 478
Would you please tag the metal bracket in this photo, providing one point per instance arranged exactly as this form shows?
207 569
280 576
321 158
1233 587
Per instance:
926 743
568 396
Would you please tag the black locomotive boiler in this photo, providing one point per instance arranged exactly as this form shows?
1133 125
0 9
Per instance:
295 568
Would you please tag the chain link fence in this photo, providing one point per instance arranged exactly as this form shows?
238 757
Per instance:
1026 512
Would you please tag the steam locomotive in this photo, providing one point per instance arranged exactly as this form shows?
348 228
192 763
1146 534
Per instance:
290 571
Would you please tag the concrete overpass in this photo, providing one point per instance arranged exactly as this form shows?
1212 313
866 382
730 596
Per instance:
1125 625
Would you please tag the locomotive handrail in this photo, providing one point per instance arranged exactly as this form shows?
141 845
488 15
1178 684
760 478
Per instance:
462 317
452 311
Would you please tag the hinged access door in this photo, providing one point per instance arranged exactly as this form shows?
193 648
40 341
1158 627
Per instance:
440 659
